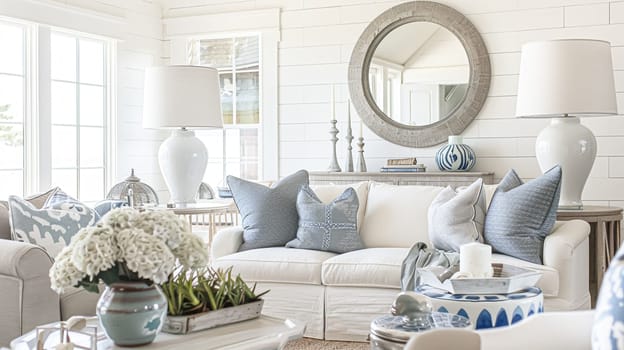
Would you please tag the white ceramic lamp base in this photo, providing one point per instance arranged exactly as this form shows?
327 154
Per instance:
183 159
573 146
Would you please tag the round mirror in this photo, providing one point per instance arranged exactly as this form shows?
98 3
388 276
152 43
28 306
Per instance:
419 73
423 82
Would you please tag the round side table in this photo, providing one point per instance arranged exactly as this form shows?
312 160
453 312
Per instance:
604 239
487 310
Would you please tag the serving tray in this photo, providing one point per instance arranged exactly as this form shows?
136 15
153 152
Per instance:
507 279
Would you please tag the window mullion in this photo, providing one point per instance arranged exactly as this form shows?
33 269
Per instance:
77 117
42 109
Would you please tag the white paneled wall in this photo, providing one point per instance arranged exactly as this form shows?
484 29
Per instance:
137 26
317 39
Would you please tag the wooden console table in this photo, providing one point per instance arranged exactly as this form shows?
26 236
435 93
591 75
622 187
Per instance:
429 178
604 239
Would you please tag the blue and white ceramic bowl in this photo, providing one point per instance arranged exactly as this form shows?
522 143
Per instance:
456 156
608 331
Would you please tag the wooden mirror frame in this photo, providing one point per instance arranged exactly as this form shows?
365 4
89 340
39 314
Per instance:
462 114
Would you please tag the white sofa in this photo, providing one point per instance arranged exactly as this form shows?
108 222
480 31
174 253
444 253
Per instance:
339 294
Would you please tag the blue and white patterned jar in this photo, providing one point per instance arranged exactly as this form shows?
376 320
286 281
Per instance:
608 330
456 156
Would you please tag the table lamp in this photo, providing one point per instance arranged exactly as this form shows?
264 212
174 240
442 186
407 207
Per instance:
564 80
182 98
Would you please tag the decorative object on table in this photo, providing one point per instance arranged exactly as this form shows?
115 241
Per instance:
402 161
475 261
333 131
457 217
280 218
53 226
131 252
521 215
75 333
330 227
565 80
182 98
349 138
412 313
455 156
505 279
417 168
608 329
440 263
142 193
360 165
205 191
224 192
208 298
487 310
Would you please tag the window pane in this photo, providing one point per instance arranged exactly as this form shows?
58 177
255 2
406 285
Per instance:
12 183
63 103
11 98
91 105
227 100
246 52
66 179
63 147
91 147
249 154
91 62
216 53
91 184
232 144
11 146
63 57
247 98
12 44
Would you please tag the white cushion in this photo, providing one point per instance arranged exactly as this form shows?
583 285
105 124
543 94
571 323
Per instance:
396 216
549 283
276 264
327 193
371 267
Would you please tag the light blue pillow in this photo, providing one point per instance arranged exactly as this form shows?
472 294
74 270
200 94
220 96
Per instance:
269 214
521 215
51 227
328 227
106 205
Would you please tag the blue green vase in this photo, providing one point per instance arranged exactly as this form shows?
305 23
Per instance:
456 156
132 313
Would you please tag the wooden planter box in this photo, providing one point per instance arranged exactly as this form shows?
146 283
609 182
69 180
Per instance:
212 319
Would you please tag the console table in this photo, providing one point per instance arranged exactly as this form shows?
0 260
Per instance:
604 239
429 178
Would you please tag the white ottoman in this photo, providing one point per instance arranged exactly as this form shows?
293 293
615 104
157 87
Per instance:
487 310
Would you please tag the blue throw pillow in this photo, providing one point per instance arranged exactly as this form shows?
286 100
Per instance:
51 227
269 214
328 227
104 206
521 215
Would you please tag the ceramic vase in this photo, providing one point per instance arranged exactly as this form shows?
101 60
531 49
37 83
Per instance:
455 156
608 329
132 313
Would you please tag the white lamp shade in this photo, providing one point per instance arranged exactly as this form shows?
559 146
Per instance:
182 96
560 77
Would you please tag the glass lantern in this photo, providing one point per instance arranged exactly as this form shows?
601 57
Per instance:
137 193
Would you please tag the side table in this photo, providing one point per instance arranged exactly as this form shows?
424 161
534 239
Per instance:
604 239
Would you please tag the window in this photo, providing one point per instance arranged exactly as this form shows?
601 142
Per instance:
234 150
56 117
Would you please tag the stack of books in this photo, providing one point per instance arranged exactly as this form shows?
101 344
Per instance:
403 165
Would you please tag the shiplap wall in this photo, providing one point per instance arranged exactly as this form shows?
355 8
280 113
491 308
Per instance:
137 27
317 39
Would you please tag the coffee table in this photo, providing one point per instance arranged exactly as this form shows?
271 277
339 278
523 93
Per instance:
261 333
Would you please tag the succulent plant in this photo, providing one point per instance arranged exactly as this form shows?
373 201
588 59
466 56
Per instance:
191 291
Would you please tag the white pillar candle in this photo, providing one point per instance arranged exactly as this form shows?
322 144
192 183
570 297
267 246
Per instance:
475 259
333 107
361 127
349 113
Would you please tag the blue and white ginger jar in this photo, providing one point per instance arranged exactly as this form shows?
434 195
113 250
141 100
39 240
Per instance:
608 330
456 156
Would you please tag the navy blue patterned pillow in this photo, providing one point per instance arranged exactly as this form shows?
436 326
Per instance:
328 227
521 215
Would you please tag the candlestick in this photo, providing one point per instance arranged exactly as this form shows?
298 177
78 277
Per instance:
332 115
360 166
475 260
349 138
333 165
361 128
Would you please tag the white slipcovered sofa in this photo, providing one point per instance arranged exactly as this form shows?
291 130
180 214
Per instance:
339 294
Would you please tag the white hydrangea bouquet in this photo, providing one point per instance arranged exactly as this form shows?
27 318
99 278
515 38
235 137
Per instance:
128 245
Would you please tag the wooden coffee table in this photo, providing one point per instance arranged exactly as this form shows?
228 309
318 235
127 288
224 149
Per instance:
260 333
